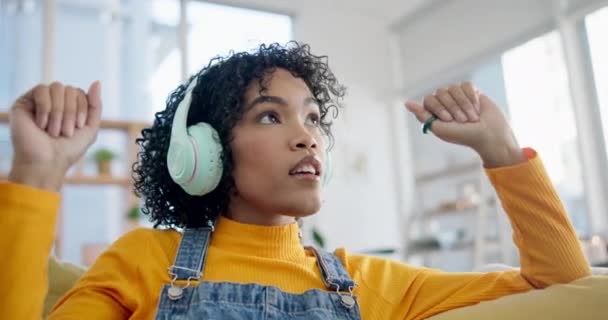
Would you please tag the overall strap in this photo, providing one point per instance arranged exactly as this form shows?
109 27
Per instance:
333 272
191 255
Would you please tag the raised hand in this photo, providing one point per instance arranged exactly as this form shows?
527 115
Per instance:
467 117
51 128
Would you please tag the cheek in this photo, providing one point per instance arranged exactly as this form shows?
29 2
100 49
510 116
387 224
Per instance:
256 166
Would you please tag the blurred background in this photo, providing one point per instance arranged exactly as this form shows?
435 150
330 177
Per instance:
395 192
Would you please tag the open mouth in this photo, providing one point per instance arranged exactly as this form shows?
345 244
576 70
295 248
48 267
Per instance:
308 168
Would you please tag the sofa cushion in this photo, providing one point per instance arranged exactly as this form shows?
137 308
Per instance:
585 298
62 277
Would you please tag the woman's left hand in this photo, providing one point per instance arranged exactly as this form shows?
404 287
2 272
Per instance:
468 117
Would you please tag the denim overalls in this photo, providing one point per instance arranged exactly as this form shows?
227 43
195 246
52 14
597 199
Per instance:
226 300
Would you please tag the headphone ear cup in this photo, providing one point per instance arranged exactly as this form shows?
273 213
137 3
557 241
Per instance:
180 160
327 168
208 166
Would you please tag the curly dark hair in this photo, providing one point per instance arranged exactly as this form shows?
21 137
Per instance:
218 99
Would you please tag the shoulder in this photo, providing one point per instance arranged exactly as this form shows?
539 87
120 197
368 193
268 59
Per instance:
148 236
385 277
361 262
142 245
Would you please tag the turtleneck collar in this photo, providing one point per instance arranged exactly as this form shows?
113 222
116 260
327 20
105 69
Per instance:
282 242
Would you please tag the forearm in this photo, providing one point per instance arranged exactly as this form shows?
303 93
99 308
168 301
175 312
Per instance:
549 249
27 220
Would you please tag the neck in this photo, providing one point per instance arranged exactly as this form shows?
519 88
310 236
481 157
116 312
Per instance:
244 213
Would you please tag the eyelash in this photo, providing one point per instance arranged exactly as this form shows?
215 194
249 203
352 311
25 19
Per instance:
313 116
269 113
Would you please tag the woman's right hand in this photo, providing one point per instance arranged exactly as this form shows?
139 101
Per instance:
51 128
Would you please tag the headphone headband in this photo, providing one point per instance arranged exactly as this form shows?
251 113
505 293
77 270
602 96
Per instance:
180 119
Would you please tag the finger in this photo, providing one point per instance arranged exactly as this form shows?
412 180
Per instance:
42 105
465 105
69 111
471 92
419 111
485 102
81 108
56 115
434 106
94 104
448 102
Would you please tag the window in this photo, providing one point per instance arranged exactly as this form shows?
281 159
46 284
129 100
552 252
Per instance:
596 25
212 30
216 29
164 59
542 116
20 48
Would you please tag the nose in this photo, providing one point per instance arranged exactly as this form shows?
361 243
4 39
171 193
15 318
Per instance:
303 139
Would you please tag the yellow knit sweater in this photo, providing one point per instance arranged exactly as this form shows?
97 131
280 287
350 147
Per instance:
126 280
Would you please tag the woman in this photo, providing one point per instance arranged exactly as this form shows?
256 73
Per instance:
259 127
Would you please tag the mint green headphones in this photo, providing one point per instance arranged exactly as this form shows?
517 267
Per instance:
194 157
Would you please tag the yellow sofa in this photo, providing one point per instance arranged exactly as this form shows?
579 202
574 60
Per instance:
62 276
583 299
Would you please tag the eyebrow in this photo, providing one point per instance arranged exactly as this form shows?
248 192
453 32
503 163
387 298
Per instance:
277 100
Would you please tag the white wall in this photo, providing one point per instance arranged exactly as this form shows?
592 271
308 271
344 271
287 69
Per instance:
459 34
360 211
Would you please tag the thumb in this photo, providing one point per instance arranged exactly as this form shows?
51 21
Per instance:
419 111
485 102
447 131
94 100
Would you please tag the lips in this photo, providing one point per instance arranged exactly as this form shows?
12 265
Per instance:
309 165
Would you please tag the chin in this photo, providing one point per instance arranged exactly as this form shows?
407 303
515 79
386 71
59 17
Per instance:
304 208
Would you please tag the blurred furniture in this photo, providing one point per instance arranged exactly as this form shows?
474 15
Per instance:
62 277
458 215
78 177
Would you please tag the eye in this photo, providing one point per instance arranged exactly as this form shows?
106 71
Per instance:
314 120
269 118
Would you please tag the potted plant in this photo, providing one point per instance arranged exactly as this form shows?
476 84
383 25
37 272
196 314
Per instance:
134 213
103 158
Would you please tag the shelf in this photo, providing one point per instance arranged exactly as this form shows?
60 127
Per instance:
91 180
100 180
447 172
106 124
449 212
460 247
438 212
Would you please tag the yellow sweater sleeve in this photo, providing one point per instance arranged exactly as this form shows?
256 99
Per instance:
26 237
27 221
110 288
549 250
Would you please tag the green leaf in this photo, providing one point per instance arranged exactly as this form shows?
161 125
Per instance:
317 237
104 155
134 213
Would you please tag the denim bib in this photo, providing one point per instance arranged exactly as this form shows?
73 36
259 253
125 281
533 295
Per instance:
235 301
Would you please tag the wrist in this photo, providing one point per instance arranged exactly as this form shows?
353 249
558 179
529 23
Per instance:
45 178
503 157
